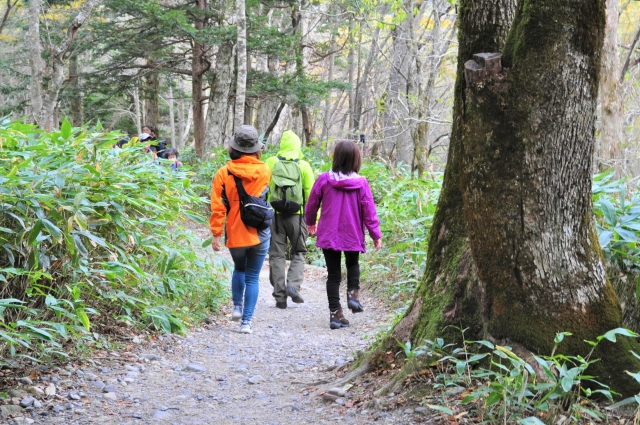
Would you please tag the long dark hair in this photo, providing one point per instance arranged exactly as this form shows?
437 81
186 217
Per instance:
346 158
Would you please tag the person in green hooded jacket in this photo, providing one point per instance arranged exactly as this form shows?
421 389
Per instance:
290 186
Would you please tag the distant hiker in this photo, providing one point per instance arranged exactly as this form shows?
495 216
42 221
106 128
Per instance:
290 186
172 155
347 208
160 145
248 245
149 147
122 142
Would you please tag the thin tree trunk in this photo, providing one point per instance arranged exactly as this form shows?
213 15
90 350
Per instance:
612 135
199 65
6 14
57 63
241 63
218 114
327 107
136 103
172 118
350 66
187 128
181 123
77 112
35 59
248 103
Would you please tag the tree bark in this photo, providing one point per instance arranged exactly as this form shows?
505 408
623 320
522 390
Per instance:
172 117
77 110
151 95
57 63
612 134
241 64
199 65
35 60
514 255
219 98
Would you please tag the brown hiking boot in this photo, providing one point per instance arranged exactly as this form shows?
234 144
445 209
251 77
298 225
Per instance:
353 303
337 320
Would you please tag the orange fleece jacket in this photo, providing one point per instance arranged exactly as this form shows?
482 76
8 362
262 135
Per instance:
255 177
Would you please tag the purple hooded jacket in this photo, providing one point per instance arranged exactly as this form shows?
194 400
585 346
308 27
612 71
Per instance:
347 207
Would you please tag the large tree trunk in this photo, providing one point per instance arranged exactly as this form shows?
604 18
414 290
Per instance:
219 98
514 254
241 64
612 134
151 95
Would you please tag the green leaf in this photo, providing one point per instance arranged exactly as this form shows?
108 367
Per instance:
65 129
531 420
626 235
81 220
208 242
493 398
35 232
53 230
611 335
442 409
609 211
84 319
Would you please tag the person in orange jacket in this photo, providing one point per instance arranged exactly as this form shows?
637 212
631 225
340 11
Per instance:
248 246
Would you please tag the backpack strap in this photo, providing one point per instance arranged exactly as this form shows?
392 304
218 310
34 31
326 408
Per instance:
282 158
239 185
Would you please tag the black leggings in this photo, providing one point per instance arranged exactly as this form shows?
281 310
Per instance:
334 274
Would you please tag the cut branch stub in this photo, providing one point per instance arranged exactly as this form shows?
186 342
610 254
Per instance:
482 66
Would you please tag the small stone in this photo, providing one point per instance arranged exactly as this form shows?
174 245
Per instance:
329 397
50 390
57 409
320 410
242 368
255 379
36 390
133 374
160 414
455 390
16 392
79 373
109 388
131 368
339 401
105 370
129 380
25 380
98 384
136 416
68 406
73 396
150 357
20 420
195 368
420 409
408 411
110 396
27 401
337 392
9 409
79 411
37 404
90 376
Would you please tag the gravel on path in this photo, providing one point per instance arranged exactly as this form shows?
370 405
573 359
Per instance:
216 375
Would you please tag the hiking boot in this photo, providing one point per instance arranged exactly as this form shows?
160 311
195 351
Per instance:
295 296
237 313
337 320
245 327
353 303
281 304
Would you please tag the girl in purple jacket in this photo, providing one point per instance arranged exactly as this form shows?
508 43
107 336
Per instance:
347 208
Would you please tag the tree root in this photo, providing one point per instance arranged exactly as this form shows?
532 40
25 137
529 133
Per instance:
410 367
357 372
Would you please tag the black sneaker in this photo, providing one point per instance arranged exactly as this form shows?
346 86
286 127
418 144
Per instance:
281 304
337 320
295 296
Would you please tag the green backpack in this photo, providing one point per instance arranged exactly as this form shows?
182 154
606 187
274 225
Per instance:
285 193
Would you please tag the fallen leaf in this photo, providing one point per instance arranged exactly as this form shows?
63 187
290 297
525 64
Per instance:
50 390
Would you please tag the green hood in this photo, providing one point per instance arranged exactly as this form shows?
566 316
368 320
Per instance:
290 146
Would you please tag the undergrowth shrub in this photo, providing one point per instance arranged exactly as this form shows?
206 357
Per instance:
92 236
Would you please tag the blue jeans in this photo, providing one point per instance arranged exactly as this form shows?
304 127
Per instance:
245 282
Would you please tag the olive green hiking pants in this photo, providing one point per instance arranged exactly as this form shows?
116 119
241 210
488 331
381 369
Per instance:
292 230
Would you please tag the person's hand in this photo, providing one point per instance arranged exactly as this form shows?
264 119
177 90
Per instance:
377 244
312 229
215 244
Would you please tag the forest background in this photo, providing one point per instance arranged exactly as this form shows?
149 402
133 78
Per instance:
80 229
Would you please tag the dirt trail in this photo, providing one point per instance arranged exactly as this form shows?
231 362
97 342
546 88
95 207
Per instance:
216 375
